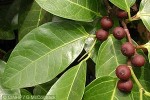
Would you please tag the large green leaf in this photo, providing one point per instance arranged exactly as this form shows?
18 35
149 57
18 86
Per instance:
109 57
4 92
104 88
144 13
31 15
83 10
42 54
123 4
71 85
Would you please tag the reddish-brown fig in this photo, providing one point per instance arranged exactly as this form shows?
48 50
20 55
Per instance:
125 86
128 49
122 14
119 33
102 35
138 60
106 23
123 72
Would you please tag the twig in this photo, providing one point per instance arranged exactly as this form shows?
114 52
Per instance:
141 89
127 31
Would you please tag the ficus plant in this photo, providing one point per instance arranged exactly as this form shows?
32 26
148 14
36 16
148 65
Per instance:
75 49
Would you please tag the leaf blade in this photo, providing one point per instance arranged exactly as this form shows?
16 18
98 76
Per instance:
123 4
109 57
104 88
5 92
144 13
81 11
71 85
56 52
31 15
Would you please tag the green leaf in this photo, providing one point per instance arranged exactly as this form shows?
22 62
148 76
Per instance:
144 13
104 88
4 92
31 15
44 53
83 10
109 57
71 85
123 4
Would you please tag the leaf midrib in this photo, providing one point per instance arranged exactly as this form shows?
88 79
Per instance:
113 95
39 17
45 55
74 80
128 9
116 59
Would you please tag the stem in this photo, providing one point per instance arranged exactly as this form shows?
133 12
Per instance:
87 57
127 31
92 35
135 78
141 89
140 47
141 94
129 15
133 18
92 46
146 93
89 52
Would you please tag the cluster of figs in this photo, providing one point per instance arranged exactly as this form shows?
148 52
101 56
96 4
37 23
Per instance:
123 71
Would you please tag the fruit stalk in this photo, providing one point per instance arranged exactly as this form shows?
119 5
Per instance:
135 78
146 93
141 94
141 89
127 31
89 52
